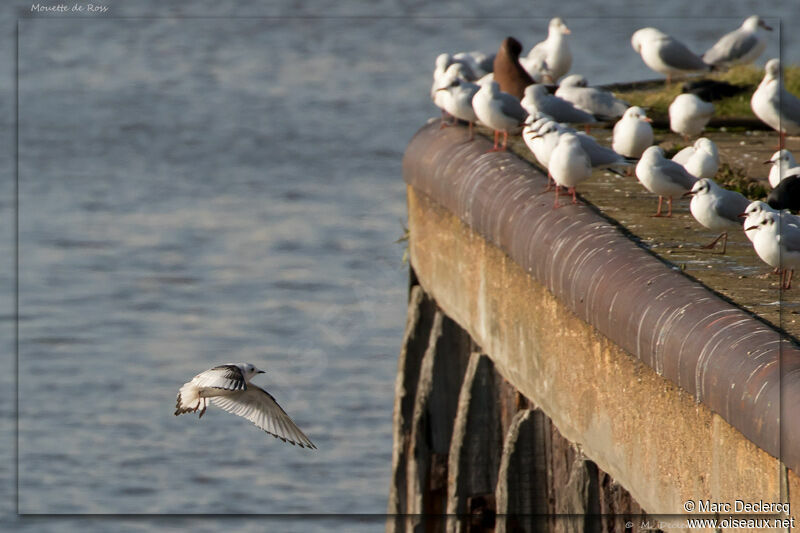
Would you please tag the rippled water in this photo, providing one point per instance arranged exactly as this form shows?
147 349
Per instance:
211 186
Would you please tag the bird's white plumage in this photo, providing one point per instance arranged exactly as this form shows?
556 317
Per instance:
537 99
688 114
776 242
701 160
569 163
662 176
228 387
665 54
773 104
596 101
497 109
716 208
550 59
632 133
259 407
742 45
783 165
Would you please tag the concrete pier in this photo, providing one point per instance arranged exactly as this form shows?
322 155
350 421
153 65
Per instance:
584 384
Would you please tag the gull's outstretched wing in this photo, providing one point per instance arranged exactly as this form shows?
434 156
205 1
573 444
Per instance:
260 408
227 377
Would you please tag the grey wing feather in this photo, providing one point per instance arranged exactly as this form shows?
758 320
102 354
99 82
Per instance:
259 407
790 107
564 111
512 108
227 377
790 237
675 54
678 175
730 48
599 154
607 104
732 205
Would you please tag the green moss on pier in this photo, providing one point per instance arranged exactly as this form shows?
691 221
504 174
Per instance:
657 97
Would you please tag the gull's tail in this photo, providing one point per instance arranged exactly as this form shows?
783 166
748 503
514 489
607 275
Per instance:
188 399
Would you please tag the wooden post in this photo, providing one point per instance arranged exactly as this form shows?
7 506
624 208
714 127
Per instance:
419 321
475 450
441 373
522 490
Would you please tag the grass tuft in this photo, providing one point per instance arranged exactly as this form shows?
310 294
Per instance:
656 101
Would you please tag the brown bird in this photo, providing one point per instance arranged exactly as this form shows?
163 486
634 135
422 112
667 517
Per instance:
508 72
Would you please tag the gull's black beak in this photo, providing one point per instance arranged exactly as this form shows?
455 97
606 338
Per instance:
764 25
768 162
686 194
260 372
742 215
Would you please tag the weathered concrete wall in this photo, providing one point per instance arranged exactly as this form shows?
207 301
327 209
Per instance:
646 432
652 398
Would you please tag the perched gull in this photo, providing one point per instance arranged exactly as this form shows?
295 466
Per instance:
538 99
688 115
569 165
742 45
717 209
228 387
701 159
777 244
454 72
542 135
786 195
663 177
499 111
551 58
783 166
457 100
632 133
602 104
443 62
753 213
665 54
508 73
774 105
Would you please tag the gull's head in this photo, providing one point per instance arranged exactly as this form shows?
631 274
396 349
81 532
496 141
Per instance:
753 22
636 113
783 157
249 370
766 220
643 35
702 186
773 68
557 26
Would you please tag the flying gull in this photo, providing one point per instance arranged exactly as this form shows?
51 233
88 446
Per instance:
228 387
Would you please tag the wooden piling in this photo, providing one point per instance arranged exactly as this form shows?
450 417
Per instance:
476 445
